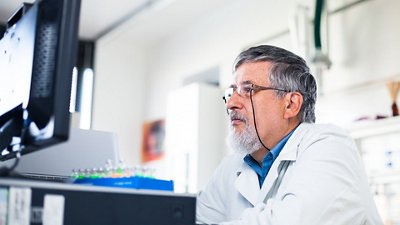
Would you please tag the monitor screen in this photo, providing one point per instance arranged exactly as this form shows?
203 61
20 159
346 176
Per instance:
37 56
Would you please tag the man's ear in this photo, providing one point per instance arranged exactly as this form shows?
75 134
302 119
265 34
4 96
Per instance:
293 103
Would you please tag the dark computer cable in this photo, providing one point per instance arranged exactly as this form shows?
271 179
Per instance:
7 171
7 131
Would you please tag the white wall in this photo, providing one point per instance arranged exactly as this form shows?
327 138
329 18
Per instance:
118 94
364 50
213 40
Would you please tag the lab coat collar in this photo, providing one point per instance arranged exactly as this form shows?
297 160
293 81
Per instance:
288 153
290 150
247 180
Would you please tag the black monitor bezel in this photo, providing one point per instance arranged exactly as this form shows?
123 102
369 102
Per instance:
67 20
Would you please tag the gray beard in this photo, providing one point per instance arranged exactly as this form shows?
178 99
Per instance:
245 142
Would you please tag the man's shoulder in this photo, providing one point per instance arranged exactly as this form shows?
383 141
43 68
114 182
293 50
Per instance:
232 162
233 159
308 134
323 134
229 167
312 129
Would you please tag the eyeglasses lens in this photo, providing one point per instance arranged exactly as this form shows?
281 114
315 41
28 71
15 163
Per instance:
228 93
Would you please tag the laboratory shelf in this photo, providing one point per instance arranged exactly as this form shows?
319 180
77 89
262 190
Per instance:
373 137
385 177
370 128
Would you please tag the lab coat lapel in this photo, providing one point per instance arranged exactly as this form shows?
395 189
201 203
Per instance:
247 184
288 153
269 180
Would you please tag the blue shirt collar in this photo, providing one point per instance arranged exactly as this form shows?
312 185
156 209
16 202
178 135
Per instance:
268 159
278 147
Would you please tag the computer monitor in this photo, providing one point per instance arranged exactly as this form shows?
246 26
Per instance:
37 56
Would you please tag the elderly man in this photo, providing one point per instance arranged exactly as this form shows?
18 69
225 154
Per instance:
286 170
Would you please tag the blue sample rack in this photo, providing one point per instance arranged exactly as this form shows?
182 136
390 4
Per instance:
135 182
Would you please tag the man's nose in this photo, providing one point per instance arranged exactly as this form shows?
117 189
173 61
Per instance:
234 102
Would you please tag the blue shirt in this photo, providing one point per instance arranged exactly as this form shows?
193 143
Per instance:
267 160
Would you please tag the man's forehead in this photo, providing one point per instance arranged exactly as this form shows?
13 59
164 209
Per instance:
252 72
244 82
236 79
242 78
246 79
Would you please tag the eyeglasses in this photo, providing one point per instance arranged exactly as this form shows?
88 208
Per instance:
245 90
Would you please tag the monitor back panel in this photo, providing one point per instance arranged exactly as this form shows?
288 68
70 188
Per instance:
84 149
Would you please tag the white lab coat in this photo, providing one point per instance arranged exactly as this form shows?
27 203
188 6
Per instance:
317 179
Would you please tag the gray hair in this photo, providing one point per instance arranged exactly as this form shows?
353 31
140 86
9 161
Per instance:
288 71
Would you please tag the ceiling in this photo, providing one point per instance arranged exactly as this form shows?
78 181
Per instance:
155 17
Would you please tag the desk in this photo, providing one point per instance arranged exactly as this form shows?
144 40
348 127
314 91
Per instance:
86 205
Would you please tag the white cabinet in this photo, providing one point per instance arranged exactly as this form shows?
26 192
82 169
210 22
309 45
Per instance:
379 145
195 135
